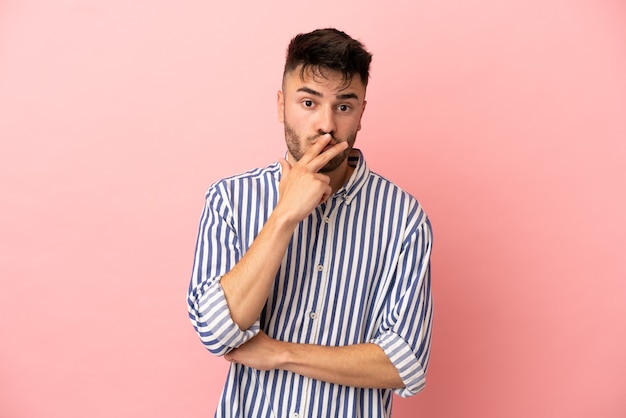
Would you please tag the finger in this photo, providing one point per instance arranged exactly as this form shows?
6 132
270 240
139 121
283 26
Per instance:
322 159
326 195
285 167
316 148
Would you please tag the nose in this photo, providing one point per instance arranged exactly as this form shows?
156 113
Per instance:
326 121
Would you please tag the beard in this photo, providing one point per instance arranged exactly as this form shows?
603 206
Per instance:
294 145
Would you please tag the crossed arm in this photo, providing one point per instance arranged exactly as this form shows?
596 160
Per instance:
247 285
358 365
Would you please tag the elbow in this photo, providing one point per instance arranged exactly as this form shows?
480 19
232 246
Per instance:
215 342
413 387
219 338
212 321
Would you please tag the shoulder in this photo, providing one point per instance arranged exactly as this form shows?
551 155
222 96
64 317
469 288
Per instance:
392 189
257 177
397 199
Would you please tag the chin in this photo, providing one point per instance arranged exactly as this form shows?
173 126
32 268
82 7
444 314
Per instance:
335 163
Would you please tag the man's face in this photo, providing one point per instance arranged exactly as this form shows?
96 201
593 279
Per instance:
313 105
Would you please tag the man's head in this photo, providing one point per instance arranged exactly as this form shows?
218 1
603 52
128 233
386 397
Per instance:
324 83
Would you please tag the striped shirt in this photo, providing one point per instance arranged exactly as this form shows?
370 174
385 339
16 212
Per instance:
356 270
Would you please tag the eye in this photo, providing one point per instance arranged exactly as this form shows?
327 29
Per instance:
343 108
308 103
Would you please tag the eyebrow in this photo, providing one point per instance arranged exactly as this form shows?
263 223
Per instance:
344 96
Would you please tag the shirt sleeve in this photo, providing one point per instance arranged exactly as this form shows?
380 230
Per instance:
405 330
217 251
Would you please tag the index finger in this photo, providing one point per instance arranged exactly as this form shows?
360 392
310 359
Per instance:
316 148
320 156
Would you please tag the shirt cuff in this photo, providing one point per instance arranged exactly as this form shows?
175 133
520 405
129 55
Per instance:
402 357
216 328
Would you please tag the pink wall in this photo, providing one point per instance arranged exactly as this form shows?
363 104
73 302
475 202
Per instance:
506 119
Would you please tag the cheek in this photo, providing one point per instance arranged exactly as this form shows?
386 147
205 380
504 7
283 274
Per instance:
351 126
296 120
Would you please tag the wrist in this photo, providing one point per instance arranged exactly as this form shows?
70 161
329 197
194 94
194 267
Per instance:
283 219
284 355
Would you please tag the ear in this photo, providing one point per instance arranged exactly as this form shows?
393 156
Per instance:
361 117
280 102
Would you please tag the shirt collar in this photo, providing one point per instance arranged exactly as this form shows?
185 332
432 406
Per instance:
357 179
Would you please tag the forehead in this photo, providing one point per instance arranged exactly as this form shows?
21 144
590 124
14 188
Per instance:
323 80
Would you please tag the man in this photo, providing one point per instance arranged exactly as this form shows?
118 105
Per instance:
311 276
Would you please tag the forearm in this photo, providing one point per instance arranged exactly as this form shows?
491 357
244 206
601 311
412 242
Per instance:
359 365
247 285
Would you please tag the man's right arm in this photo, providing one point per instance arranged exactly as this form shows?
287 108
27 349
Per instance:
228 290
247 286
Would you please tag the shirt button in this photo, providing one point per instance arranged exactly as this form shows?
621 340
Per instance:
295 415
326 219
313 315
320 267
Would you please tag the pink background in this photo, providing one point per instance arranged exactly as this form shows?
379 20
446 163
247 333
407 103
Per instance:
506 119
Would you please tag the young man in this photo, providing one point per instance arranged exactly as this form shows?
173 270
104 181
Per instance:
311 276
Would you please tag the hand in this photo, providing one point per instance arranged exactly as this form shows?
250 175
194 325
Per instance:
260 352
301 187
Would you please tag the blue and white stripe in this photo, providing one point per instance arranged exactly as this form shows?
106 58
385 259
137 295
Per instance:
356 270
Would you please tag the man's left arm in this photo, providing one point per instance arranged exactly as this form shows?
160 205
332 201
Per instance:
358 365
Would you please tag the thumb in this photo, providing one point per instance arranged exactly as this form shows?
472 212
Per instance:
284 166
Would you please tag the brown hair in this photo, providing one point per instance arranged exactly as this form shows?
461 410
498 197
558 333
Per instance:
328 49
